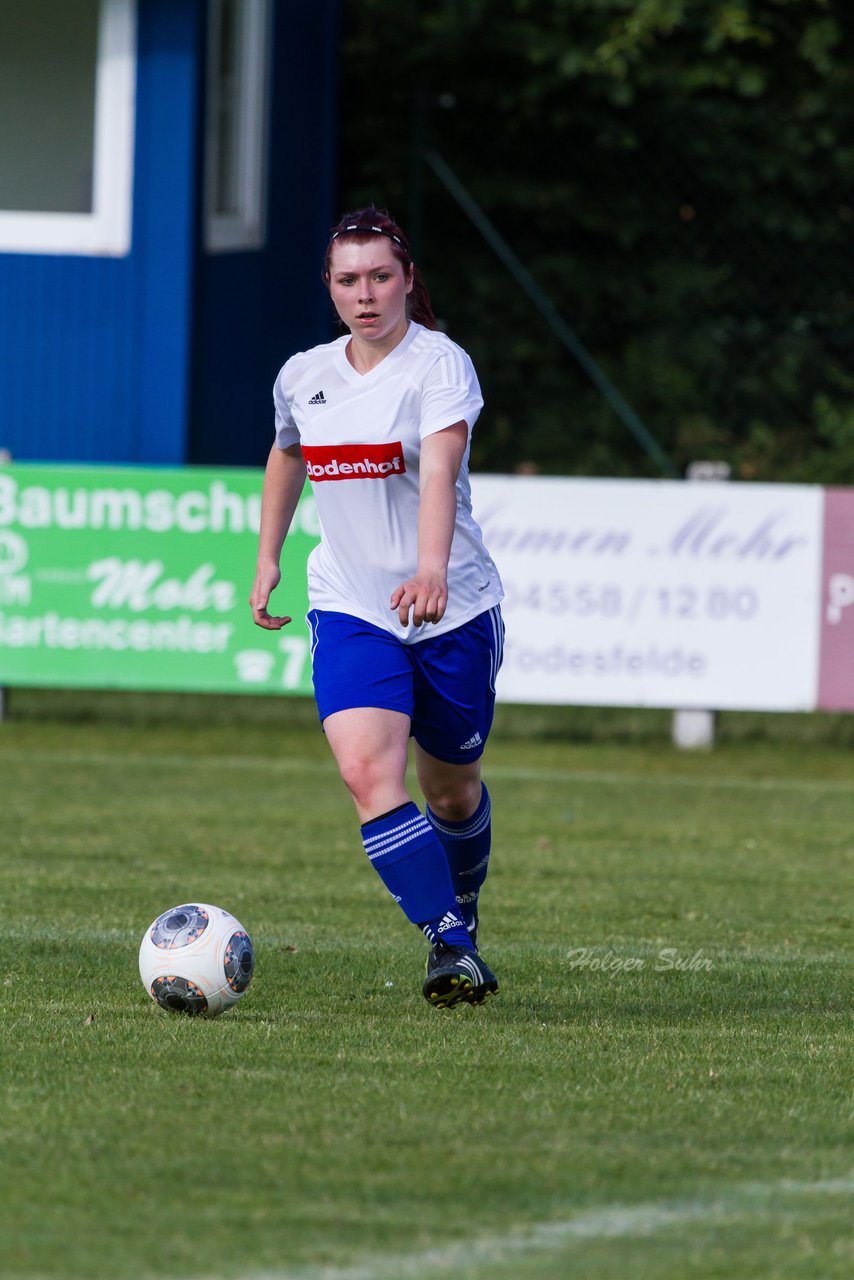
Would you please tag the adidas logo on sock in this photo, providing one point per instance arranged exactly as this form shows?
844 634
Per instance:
472 742
448 921
320 398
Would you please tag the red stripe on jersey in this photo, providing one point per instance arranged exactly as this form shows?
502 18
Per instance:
354 461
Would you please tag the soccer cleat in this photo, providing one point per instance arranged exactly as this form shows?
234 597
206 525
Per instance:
457 975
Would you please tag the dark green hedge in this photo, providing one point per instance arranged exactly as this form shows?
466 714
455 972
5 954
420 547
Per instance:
678 175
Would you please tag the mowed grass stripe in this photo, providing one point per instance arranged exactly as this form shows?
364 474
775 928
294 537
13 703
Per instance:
516 773
718 958
332 1121
759 1204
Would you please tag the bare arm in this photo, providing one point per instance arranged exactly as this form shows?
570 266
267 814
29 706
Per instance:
283 483
426 593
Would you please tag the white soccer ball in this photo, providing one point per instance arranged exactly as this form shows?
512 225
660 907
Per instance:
196 959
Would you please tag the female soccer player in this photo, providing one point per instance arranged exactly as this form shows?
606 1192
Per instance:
404 614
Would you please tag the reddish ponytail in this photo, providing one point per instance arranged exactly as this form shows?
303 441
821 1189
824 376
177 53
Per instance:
419 307
362 225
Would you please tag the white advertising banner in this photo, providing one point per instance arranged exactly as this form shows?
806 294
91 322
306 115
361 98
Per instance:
657 593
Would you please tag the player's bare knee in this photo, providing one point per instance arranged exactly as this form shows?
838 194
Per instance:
363 779
453 800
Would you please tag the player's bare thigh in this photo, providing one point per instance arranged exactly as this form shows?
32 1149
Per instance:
371 749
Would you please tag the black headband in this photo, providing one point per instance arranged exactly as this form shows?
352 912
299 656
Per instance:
380 231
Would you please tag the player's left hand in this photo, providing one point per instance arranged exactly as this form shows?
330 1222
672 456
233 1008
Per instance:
425 596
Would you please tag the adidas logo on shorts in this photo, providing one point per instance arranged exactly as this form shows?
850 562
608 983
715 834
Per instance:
474 741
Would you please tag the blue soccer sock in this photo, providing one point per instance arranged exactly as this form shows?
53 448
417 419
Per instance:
412 865
467 846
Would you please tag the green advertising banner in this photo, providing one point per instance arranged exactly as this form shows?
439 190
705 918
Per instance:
139 578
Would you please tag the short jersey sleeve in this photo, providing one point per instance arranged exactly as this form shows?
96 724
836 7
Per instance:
287 431
450 392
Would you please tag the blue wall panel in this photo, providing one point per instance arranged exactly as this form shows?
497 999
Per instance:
256 308
65 356
94 351
169 355
165 215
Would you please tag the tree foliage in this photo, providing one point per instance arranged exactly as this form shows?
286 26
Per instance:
675 174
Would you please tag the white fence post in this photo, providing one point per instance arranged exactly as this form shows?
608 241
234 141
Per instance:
695 730
5 457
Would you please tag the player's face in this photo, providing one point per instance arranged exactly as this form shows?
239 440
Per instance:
368 286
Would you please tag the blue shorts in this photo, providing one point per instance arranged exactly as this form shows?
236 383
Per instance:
446 685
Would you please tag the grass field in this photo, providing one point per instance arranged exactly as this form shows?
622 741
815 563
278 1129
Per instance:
662 1089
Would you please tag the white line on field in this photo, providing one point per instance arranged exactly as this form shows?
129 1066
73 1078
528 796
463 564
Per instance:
168 760
617 777
516 773
610 1222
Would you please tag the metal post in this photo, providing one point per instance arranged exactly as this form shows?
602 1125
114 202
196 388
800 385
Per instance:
420 107
5 459
550 313
695 730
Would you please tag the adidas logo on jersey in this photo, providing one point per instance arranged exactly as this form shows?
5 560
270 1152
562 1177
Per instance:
320 398
474 741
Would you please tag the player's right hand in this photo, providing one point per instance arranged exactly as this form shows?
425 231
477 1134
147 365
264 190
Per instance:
266 581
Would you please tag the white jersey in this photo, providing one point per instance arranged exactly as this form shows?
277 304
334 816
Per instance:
361 439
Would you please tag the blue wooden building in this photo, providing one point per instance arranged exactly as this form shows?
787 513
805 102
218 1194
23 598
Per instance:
166 188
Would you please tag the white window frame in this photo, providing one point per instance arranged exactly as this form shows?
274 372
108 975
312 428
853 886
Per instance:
247 227
106 231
